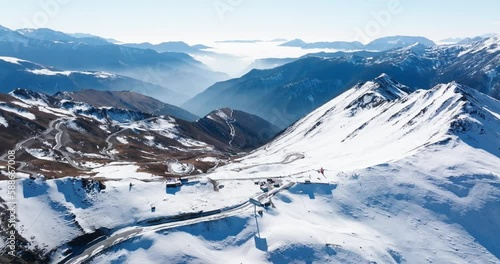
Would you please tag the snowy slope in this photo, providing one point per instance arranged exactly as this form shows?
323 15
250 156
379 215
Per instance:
411 177
377 122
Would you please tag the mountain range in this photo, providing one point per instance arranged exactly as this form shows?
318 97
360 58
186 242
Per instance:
384 173
17 73
172 46
175 71
74 136
286 93
392 160
381 44
126 100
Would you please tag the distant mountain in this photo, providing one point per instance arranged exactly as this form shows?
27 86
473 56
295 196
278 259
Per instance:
380 44
173 46
339 54
294 43
477 65
269 63
15 73
84 35
126 100
179 71
394 42
47 34
451 40
284 94
341 45
200 47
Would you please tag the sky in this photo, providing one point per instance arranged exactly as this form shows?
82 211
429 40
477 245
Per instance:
204 21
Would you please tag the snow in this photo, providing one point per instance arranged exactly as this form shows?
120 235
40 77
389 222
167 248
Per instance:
164 126
45 206
21 104
387 213
42 154
29 101
229 120
74 126
122 171
12 60
208 159
180 168
41 220
402 192
18 111
409 177
103 75
54 111
388 132
421 209
90 165
49 72
122 140
191 142
150 141
3 122
490 45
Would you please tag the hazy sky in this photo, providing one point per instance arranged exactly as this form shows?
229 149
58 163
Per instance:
198 21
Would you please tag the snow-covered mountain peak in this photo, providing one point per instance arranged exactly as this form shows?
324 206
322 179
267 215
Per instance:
380 121
12 60
222 114
384 81
490 45
64 95
24 31
374 93
416 48
29 95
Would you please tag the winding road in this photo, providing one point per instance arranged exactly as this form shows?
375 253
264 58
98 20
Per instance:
229 123
289 158
19 145
57 147
135 231
109 144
